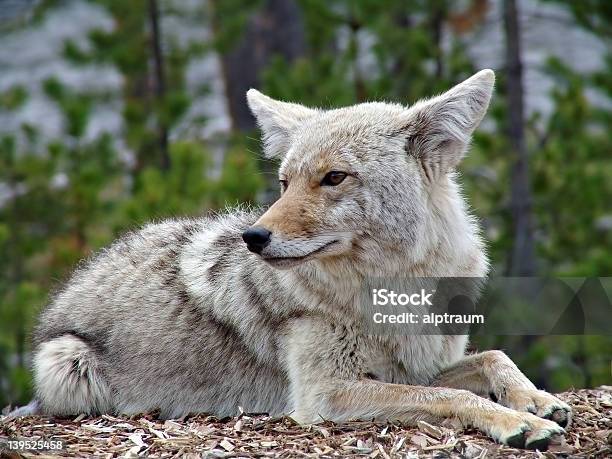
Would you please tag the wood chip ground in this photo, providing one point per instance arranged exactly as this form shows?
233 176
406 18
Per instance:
590 436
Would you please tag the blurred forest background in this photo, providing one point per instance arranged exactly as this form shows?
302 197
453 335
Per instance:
116 112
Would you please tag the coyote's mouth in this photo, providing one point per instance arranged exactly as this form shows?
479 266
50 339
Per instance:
287 262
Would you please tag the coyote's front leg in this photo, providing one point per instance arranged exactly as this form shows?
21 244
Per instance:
328 369
493 373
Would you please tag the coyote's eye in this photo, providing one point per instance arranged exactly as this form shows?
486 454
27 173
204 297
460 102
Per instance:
333 178
284 184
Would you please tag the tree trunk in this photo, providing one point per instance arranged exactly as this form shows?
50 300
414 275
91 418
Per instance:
276 29
522 258
160 82
437 16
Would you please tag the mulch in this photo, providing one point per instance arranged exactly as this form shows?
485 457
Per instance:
590 436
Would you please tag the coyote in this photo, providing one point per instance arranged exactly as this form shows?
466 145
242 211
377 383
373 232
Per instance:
259 310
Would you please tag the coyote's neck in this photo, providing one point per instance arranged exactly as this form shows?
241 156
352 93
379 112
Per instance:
452 235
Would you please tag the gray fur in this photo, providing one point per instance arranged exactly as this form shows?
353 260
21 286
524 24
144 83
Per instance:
181 317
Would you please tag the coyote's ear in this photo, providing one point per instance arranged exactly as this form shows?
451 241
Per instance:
439 129
276 120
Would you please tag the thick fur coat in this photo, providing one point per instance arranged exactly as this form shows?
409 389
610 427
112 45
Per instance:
184 317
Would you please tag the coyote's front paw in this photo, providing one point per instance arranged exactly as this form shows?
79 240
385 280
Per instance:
524 430
540 403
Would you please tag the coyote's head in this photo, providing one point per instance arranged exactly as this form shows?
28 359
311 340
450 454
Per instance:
361 181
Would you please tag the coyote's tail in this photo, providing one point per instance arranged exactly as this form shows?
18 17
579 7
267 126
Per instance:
30 409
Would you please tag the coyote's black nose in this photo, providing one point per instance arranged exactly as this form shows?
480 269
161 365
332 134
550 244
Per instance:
256 238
